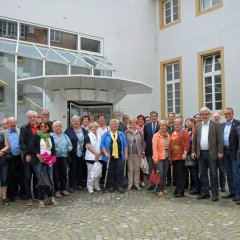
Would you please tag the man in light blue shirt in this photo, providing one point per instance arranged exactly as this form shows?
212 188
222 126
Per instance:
15 164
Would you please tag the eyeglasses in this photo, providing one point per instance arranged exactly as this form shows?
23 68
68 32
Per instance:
204 114
43 126
227 113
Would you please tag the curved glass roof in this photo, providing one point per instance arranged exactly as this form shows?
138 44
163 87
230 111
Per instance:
93 65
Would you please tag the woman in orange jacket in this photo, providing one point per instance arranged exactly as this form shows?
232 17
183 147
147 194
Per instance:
179 147
160 145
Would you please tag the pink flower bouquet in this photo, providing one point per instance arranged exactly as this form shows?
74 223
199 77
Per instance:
48 159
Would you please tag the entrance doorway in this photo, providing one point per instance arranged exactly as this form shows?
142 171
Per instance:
85 108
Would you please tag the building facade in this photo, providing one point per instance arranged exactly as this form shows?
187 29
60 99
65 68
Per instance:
77 57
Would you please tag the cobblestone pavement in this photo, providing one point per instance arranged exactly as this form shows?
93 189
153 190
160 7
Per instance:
133 215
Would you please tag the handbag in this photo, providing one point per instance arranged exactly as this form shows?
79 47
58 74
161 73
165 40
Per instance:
189 161
144 165
155 178
96 171
44 182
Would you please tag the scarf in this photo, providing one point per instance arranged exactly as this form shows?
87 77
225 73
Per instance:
164 135
45 137
115 145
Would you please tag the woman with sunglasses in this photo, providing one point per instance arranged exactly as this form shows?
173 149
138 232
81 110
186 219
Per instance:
42 143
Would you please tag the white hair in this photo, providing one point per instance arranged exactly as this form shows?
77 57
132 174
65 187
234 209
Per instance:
31 112
113 120
205 109
76 117
55 123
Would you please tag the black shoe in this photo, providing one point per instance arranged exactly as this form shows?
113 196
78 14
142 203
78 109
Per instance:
238 203
80 188
150 188
194 192
236 198
229 196
178 195
11 199
121 190
71 190
203 197
5 202
214 198
168 184
23 197
111 189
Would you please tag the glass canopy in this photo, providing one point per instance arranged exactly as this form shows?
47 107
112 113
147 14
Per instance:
57 60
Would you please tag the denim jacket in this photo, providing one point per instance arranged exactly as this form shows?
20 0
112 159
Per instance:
63 144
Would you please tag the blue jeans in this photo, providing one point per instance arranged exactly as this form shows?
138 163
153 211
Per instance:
38 168
116 169
205 162
162 167
231 169
4 174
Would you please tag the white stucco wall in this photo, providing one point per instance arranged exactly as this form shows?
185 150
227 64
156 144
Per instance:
196 34
128 29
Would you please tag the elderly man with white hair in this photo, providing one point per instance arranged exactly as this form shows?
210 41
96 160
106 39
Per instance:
26 135
207 147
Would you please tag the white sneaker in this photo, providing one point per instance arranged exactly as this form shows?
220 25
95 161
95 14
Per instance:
142 184
97 189
90 190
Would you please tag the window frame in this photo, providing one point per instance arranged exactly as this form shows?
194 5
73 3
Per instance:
200 10
202 75
6 25
3 86
163 84
91 38
162 13
54 36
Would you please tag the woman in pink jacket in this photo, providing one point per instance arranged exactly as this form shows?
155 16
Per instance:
160 144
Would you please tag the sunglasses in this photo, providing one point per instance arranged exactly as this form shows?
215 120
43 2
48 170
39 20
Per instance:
43 126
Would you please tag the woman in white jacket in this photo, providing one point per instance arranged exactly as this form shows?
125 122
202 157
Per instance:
93 153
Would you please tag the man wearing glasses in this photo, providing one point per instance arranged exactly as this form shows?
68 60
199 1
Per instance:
207 147
230 165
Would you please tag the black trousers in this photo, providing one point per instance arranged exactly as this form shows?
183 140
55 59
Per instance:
29 175
180 173
115 171
60 174
77 172
16 182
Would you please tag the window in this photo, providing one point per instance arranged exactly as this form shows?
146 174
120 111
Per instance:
20 97
90 45
55 36
8 29
211 80
171 87
169 12
205 6
2 94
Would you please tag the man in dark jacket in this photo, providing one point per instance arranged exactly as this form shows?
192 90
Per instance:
26 134
229 160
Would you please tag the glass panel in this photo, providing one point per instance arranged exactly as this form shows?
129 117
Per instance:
217 66
90 45
218 105
177 86
71 58
208 89
8 47
52 56
176 75
170 109
177 102
169 88
218 88
28 67
215 2
43 50
170 103
175 16
217 63
208 68
169 77
177 110
8 29
7 85
56 68
208 60
169 69
80 70
63 39
209 105
177 94
168 20
105 73
168 5
30 97
218 96
205 4
168 13
175 2
208 97
169 95
217 79
34 34
28 51
208 80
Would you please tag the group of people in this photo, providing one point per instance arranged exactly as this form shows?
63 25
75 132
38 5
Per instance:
120 147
